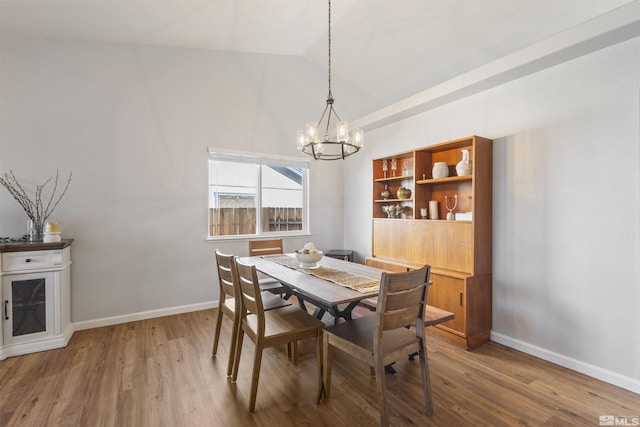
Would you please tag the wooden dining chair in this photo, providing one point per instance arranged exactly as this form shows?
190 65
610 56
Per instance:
382 338
230 305
269 247
271 328
265 247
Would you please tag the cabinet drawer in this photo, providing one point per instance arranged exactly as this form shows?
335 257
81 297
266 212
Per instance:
33 260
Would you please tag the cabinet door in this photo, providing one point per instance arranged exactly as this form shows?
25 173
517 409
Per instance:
27 307
448 294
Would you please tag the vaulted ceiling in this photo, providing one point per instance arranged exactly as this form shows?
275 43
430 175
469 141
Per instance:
388 48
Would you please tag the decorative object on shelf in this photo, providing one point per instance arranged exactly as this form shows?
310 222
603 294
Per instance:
14 239
393 211
34 231
52 227
450 215
464 166
326 147
390 210
386 193
37 209
440 170
394 166
423 213
433 209
404 193
385 167
464 216
399 209
405 170
52 232
424 176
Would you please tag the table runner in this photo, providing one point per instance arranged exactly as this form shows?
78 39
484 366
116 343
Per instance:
356 282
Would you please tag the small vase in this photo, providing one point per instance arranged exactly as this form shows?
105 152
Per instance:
464 166
36 232
386 193
440 170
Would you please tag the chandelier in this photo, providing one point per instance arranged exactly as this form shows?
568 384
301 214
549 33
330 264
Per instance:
316 141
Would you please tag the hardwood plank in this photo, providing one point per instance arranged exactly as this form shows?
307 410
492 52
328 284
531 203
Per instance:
160 372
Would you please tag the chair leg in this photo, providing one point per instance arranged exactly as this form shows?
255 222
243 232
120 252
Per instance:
236 364
380 386
233 347
216 334
326 365
255 376
426 380
319 361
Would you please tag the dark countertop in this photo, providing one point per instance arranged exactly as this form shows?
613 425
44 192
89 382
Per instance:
33 246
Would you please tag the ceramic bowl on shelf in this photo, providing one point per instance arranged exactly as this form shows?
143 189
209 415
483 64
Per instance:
404 193
309 260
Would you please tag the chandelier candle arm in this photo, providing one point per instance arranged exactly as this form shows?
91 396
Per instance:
327 146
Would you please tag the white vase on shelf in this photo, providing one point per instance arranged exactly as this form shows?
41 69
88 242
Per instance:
464 166
440 170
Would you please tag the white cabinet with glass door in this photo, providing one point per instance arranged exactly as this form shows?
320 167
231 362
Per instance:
35 292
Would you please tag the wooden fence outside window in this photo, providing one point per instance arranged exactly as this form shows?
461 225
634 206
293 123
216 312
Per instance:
237 221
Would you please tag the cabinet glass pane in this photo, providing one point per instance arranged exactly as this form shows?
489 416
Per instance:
28 306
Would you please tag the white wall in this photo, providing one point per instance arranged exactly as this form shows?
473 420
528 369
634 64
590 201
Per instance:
566 203
133 125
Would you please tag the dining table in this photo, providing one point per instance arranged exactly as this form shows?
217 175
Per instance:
333 286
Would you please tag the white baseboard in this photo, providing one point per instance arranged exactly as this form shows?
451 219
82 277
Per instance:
628 383
115 320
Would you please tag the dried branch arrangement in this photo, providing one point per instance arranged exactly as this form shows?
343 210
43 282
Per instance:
37 209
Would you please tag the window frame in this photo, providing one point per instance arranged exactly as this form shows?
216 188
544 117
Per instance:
260 159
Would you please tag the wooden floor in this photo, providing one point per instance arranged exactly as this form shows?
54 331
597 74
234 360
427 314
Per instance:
159 372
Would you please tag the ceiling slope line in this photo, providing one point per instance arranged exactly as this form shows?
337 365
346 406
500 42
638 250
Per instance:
615 27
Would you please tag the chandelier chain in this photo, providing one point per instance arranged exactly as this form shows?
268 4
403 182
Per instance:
330 96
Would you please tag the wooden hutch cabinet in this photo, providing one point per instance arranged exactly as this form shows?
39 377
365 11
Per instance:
459 251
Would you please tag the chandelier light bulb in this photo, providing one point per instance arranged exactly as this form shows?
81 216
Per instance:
342 131
358 138
302 139
312 132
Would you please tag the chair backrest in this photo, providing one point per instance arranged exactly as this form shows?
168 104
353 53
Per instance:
402 299
249 288
265 247
227 275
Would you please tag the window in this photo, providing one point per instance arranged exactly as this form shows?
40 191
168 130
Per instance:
253 195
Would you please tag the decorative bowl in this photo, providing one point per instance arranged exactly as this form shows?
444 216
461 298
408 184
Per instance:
404 193
309 260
